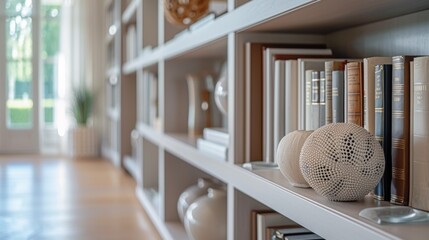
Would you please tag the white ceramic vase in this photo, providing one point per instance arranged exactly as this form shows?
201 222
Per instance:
287 157
206 218
191 194
342 161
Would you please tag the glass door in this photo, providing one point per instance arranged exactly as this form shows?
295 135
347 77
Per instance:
19 88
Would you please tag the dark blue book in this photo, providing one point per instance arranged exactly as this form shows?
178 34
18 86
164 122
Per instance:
383 126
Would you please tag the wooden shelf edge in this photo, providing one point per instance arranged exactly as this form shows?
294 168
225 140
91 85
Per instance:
130 11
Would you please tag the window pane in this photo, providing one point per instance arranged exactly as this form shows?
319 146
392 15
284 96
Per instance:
50 36
19 7
19 71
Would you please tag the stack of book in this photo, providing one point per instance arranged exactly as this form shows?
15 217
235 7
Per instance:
215 142
147 103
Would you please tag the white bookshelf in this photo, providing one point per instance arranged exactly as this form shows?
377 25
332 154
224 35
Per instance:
169 160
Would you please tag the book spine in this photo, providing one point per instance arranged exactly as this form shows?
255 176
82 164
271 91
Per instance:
328 78
279 103
315 100
355 93
420 162
337 96
400 130
383 109
308 100
322 98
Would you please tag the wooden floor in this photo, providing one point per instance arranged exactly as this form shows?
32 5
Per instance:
55 198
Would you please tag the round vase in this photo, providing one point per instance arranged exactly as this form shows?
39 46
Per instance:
206 217
287 157
221 91
191 194
342 161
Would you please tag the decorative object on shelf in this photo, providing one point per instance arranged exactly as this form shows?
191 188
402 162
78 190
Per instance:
191 194
394 214
201 111
342 161
287 158
185 12
83 138
206 217
221 91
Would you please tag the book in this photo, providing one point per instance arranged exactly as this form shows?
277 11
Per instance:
280 232
399 190
217 135
217 150
261 220
322 98
369 91
330 66
307 236
279 103
315 101
383 113
420 150
354 93
253 75
270 55
337 96
410 196
291 96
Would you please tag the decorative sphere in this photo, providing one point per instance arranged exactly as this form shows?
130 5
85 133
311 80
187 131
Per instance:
342 161
181 12
221 92
287 157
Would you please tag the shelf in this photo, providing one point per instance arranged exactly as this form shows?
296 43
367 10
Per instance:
130 11
113 114
111 155
113 72
301 203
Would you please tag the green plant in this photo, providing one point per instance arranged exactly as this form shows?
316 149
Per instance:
81 105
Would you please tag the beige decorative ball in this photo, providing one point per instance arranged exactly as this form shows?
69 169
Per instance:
287 157
342 161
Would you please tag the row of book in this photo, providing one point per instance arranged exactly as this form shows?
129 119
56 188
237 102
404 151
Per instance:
270 225
147 103
306 88
214 141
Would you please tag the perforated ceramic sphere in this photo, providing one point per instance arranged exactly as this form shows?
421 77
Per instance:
342 161
185 12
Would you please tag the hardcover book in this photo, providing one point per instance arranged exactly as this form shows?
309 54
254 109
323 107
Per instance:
420 162
217 135
322 98
355 93
383 113
400 130
279 103
369 89
291 95
337 96
261 220
217 150
331 66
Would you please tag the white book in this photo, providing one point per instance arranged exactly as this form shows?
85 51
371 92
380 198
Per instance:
279 103
369 89
217 135
217 150
270 219
291 96
305 65
270 55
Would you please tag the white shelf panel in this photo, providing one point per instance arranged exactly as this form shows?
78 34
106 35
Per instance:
113 114
131 165
113 71
130 11
251 13
112 155
317 213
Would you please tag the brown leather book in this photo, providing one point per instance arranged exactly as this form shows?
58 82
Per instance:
355 93
399 189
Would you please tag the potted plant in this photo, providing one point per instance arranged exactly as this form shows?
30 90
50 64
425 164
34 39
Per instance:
83 136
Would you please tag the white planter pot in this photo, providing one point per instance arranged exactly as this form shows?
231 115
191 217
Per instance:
83 142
